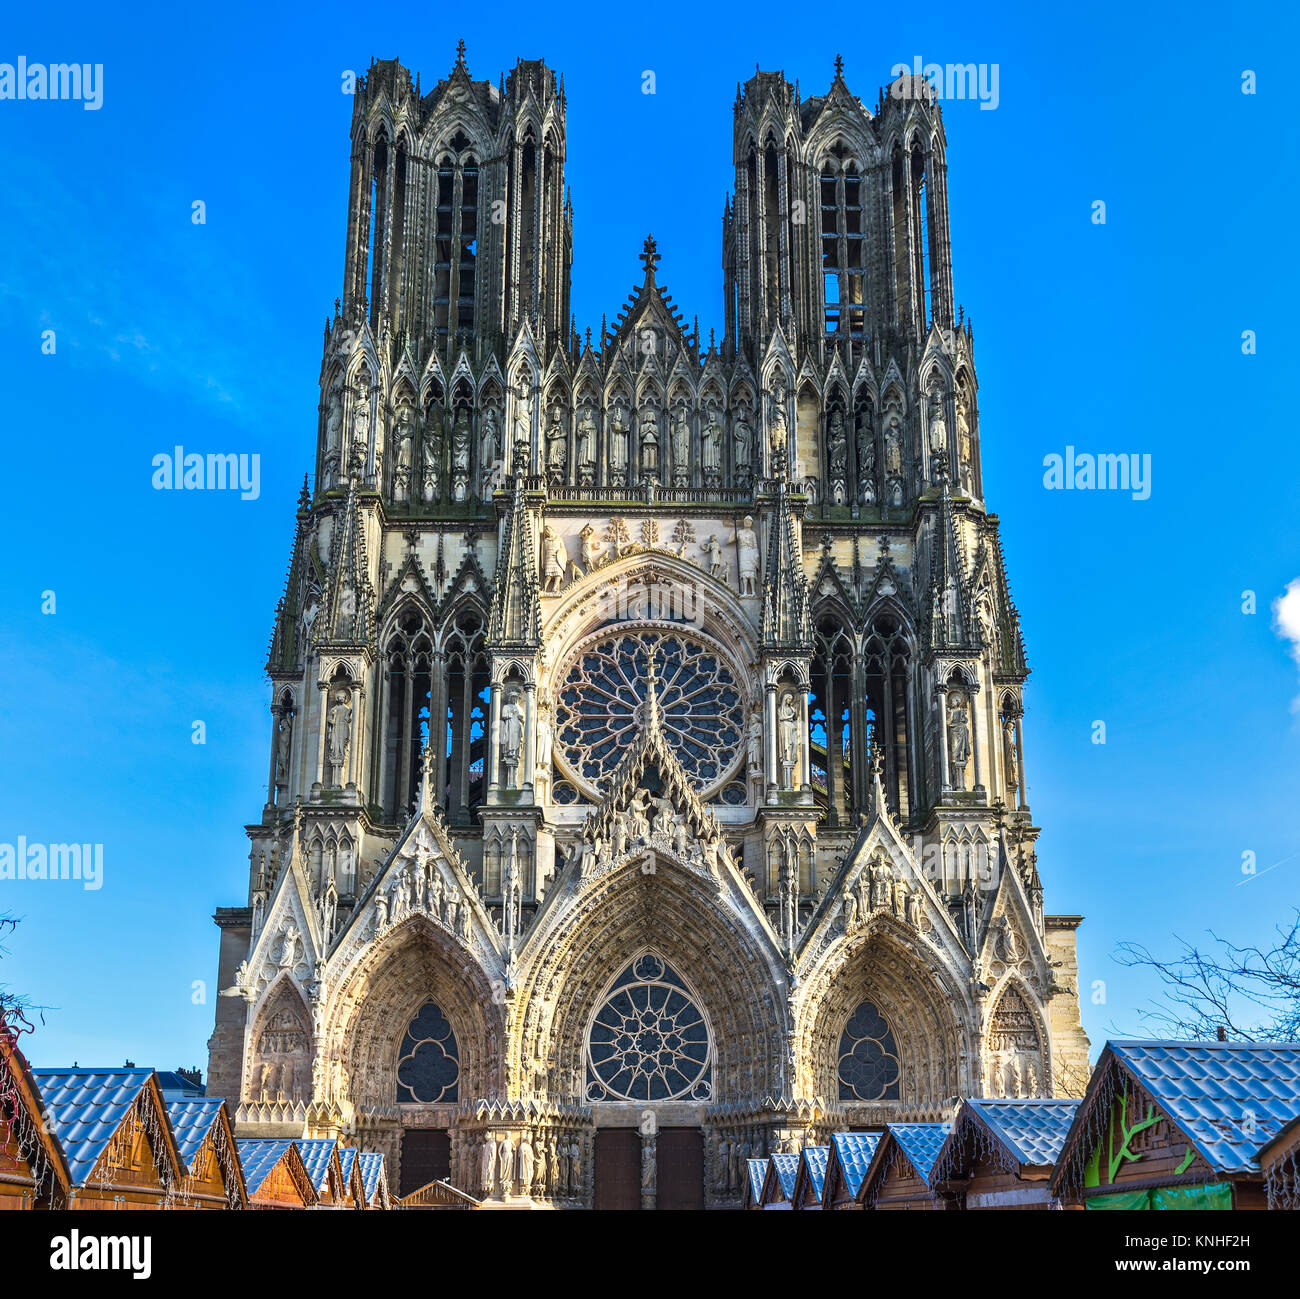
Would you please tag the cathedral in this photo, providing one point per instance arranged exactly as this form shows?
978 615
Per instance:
647 781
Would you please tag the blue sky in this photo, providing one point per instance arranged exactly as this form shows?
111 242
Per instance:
1119 338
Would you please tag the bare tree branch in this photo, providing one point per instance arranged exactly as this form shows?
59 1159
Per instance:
1253 992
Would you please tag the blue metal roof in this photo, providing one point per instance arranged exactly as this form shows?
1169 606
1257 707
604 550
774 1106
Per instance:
854 1151
316 1154
86 1106
191 1122
757 1169
347 1157
372 1169
814 1159
787 1168
1033 1131
1230 1098
258 1157
920 1142
176 1087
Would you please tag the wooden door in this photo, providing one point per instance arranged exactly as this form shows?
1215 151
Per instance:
426 1157
618 1168
680 1168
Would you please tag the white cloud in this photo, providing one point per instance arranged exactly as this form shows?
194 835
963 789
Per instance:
1286 622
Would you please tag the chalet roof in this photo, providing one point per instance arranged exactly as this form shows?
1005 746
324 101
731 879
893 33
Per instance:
757 1171
317 1155
812 1162
853 1150
920 1142
347 1157
191 1122
1032 1131
259 1157
372 1172
1228 1098
86 1107
786 1169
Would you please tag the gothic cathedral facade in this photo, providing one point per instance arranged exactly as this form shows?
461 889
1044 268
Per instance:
647 781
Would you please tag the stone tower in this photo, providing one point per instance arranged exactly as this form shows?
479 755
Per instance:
647 780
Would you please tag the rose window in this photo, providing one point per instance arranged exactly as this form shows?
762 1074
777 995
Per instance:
649 1040
600 701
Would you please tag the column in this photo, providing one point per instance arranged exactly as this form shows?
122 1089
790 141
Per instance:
975 739
493 761
1020 760
323 688
945 782
528 756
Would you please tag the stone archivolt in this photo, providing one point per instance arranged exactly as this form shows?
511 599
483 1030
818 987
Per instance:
772 555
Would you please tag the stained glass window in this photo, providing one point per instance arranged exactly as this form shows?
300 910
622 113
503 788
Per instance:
868 1067
599 705
428 1066
649 1040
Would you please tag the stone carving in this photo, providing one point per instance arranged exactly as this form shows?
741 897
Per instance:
555 560
789 740
746 540
557 444
717 560
512 738
958 740
619 437
586 433
649 420
283 748
460 454
777 424
542 754
681 447
338 735
711 445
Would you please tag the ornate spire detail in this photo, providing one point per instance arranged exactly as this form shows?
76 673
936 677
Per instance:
516 616
348 598
785 589
650 258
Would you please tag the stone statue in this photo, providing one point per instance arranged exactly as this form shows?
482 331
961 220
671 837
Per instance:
555 560
429 466
490 441
850 910
526 1165
893 448
746 540
787 722
649 440
339 735
587 547
837 444
777 430
523 424
542 1176
512 737
488 1165
712 443
717 560
681 442
361 421
587 439
506 1158
742 437
542 756
557 452
1009 757
283 747
575 1166
938 423
958 741
560 1162
618 439
754 744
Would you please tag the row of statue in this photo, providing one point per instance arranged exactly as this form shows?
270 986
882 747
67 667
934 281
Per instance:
877 889
558 566
538 1166
641 443
416 887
